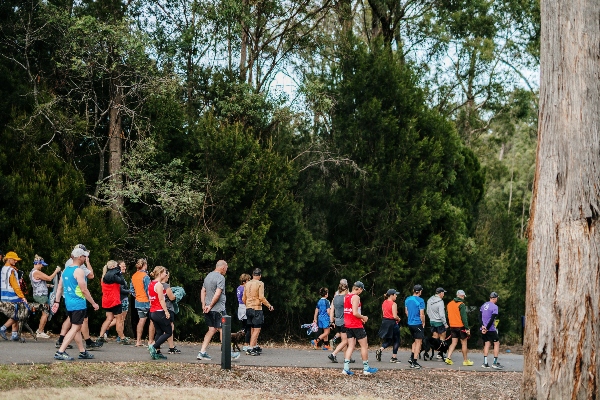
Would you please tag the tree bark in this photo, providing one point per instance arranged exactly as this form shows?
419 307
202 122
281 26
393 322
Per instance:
562 335
115 142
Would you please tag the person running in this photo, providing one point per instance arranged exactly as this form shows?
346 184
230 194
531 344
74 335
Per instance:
39 285
459 327
112 280
489 314
354 322
10 292
213 298
169 300
242 310
74 285
389 331
139 290
159 313
414 306
338 313
254 298
323 318
437 316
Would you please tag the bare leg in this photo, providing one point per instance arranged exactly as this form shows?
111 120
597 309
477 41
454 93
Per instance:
85 329
109 318
452 347
140 330
343 343
207 338
65 327
73 333
416 348
120 324
464 349
43 321
254 337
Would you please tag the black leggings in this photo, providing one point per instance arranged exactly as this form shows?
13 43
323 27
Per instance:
395 340
162 326
247 330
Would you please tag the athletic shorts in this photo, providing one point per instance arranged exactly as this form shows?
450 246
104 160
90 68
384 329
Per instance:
438 329
340 329
77 316
42 300
116 310
256 318
213 319
143 312
459 333
490 336
171 316
417 331
357 333
125 305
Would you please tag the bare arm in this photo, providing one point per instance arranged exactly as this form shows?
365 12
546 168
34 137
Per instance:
355 300
170 294
78 275
214 300
395 311
59 291
89 266
261 297
316 314
422 315
42 276
158 288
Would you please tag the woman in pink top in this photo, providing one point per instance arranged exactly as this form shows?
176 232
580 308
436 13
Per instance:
159 314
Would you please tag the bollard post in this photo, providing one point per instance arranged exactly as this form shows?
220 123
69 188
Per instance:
226 344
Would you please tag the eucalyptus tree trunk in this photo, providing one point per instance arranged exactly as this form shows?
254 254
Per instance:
115 142
562 335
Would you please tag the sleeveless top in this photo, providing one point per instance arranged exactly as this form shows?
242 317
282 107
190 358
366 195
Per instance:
154 300
350 321
338 309
74 298
39 286
386 307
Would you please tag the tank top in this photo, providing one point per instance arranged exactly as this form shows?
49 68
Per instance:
350 321
39 286
386 307
338 309
74 298
154 300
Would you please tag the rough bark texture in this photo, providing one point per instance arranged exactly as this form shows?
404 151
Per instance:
115 142
562 334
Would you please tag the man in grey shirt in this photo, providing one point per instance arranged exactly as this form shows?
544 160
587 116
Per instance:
212 297
437 316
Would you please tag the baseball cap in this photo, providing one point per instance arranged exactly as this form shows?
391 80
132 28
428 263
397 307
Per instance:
81 247
78 252
257 272
391 292
461 293
440 290
417 288
13 255
493 295
359 284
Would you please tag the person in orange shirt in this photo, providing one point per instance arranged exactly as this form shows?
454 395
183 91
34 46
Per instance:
254 298
10 291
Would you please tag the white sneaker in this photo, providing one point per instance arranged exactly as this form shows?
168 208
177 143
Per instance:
42 335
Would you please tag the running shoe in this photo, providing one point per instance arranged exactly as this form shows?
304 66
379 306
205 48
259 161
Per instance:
258 349
118 340
93 346
160 356
253 352
497 366
410 361
448 361
314 344
394 360
62 356
174 350
246 348
415 365
352 360
378 354
42 335
369 371
58 344
203 356
439 357
86 355
467 363
14 338
152 351
485 365
332 358
103 338
326 347
235 355
126 341
3 334
347 372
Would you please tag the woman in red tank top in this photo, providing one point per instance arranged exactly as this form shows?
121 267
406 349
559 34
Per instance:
159 314
389 331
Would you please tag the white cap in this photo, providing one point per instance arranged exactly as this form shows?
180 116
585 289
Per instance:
78 252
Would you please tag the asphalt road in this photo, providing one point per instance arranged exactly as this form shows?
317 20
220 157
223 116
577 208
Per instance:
42 352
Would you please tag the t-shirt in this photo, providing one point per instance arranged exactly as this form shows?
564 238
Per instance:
323 305
487 310
414 305
167 300
338 309
212 282
240 294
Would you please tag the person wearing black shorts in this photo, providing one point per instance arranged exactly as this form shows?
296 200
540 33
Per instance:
212 297
254 299
488 316
414 306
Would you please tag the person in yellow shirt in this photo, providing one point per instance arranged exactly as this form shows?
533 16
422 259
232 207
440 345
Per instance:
254 298
10 291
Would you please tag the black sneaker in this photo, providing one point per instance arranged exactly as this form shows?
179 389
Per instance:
394 360
352 360
332 358
415 365
93 346
253 352
86 355
411 361
258 349
58 344
174 350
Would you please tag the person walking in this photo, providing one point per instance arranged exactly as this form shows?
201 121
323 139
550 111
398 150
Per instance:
39 285
437 316
169 300
389 330
119 321
139 290
242 310
338 313
459 327
213 298
254 298
489 314
323 318
159 313
112 280
355 330
10 292
74 285
414 307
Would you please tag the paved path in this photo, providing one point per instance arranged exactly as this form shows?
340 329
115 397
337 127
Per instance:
42 351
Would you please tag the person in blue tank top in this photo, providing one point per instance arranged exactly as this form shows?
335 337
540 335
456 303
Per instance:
74 286
414 306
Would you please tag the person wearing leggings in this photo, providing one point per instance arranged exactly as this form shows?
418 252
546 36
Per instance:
159 314
389 331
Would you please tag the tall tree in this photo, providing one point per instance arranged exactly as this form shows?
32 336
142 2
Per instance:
562 349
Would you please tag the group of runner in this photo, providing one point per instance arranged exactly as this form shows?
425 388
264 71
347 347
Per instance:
345 314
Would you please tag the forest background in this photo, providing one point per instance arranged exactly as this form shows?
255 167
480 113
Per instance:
387 141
